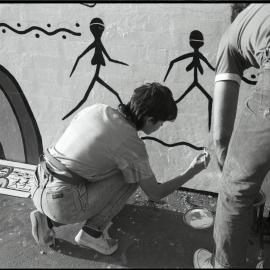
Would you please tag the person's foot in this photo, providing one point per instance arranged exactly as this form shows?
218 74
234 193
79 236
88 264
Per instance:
259 265
103 244
41 232
202 259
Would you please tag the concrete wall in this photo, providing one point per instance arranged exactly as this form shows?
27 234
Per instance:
41 42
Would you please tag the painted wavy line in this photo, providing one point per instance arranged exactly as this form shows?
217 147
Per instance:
172 144
89 5
39 29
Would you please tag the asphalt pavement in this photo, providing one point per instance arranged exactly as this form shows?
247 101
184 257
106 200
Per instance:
150 236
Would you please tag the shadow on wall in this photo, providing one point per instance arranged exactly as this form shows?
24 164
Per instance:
20 139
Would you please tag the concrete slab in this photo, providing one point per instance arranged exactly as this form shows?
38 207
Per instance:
150 236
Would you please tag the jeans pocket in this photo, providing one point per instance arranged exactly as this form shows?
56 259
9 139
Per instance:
34 184
63 204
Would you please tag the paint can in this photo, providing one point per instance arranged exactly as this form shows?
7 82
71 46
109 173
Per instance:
199 218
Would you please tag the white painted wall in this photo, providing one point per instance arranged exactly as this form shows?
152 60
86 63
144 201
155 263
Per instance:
147 37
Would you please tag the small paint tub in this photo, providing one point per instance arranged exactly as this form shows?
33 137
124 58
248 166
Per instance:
199 218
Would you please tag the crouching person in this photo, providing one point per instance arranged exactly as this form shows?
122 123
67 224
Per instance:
98 163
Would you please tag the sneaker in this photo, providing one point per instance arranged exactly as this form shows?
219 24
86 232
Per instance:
259 265
40 230
202 259
103 244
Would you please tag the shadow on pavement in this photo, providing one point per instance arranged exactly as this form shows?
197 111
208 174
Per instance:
148 237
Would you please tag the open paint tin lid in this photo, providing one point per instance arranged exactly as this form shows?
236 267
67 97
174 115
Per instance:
199 218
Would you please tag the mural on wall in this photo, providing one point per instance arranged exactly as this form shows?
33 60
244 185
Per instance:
23 118
5 26
173 144
196 41
96 27
25 144
89 5
15 178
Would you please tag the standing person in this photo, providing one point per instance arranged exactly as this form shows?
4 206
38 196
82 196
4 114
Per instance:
98 163
242 152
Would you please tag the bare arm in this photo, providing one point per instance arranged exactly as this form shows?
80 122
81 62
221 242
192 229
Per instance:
156 191
225 105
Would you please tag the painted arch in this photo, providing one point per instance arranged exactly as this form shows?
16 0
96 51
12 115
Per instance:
20 138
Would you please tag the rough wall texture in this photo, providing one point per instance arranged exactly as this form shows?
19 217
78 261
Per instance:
146 37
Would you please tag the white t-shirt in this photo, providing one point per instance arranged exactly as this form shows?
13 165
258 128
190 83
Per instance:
99 142
245 44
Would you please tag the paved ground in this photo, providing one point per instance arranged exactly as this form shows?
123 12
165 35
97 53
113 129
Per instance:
150 236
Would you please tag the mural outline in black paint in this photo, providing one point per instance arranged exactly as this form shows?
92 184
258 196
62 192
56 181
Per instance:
173 144
37 28
196 41
96 27
89 5
248 81
31 138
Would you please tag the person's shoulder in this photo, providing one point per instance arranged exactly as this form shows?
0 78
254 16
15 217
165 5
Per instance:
91 110
99 106
134 145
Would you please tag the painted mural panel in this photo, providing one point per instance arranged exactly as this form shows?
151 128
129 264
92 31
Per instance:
15 178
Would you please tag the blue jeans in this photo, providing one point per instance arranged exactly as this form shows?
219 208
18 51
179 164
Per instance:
246 165
95 202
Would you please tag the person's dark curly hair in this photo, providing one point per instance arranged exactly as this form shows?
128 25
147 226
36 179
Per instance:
237 8
150 100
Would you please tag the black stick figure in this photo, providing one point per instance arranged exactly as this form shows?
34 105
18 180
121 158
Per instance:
195 41
96 27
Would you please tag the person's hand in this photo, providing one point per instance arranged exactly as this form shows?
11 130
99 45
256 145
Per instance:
199 163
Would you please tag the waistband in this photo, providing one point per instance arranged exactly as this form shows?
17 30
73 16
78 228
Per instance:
50 163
